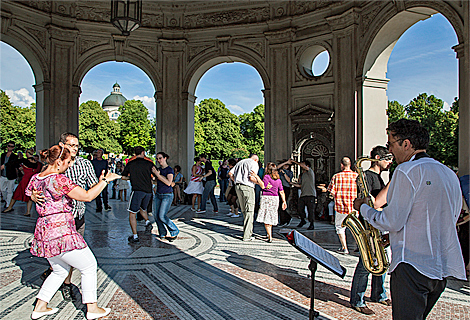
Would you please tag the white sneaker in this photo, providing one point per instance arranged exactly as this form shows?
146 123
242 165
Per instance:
251 239
235 215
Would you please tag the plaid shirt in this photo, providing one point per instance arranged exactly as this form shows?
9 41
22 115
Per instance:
344 189
82 174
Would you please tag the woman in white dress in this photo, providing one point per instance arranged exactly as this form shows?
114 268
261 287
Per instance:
195 184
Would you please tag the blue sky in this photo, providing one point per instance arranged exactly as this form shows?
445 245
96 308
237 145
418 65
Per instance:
422 61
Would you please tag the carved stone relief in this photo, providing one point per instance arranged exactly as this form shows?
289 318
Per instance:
86 44
256 46
226 17
39 35
196 49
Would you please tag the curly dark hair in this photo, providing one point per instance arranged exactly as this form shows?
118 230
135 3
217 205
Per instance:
411 130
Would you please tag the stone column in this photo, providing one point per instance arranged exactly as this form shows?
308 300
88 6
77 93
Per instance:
374 118
59 112
463 54
43 97
277 135
345 60
175 109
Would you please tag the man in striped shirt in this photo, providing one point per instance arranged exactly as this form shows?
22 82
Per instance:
344 190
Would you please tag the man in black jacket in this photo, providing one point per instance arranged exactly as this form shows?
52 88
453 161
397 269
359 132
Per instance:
8 172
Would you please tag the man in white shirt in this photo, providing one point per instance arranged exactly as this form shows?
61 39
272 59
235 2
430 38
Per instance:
424 202
244 176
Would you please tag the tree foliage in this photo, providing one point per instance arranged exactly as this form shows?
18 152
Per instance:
135 126
441 124
217 130
252 130
96 130
17 124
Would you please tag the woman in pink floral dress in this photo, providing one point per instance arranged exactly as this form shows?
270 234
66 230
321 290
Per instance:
56 237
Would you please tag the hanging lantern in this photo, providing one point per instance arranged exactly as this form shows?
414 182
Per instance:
126 15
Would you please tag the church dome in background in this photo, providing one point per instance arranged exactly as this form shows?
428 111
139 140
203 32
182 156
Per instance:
112 102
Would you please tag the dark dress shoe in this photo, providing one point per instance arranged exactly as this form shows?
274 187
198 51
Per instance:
386 302
364 310
310 227
301 224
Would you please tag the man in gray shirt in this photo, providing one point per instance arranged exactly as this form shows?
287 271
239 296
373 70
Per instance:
308 193
244 176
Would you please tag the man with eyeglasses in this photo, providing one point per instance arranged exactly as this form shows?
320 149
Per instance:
423 205
8 173
82 173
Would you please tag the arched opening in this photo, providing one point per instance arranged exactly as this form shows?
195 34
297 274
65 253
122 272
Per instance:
379 65
104 89
232 80
18 110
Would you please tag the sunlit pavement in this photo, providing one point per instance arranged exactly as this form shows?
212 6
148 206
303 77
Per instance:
207 273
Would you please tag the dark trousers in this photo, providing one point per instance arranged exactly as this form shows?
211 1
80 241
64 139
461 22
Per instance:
104 195
413 294
284 217
308 201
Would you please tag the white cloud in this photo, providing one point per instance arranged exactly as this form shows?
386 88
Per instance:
446 106
20 97
236 109
149 103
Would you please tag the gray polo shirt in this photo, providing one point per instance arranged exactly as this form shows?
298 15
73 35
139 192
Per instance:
241 171
307 184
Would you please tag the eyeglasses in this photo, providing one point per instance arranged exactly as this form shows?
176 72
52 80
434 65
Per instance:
73 145
387 145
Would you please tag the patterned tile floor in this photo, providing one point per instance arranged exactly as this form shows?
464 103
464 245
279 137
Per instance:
207 273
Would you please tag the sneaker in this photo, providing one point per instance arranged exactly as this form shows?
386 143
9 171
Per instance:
343 251
216 211
67 293
301 224
131 239
192 209
201 211
107 208
251 239
235 215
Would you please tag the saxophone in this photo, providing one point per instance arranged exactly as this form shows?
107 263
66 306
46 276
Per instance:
368 238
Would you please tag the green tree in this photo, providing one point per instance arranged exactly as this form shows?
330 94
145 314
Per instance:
17 124
153 131
96 130
252 129
135 126
441 124
217 130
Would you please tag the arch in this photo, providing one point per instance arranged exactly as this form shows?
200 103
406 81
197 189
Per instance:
383 34
131 56
31 54
206 60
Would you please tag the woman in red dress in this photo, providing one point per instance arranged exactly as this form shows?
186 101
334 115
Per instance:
29 166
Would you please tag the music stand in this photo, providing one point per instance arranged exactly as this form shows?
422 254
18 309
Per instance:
317 255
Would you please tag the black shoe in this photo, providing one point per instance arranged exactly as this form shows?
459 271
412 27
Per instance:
301 224
67 292
131 239
99 210
46 274
310 227
148 227
171 239
107 208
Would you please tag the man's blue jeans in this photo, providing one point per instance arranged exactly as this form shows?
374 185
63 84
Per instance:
162 205
209 192
359 286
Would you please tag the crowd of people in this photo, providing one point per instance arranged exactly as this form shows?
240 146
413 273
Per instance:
417 211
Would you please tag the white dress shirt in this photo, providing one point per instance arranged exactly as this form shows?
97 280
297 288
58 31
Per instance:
424 202
241 171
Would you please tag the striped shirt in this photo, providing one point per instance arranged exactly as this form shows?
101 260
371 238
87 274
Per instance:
83 174
343 188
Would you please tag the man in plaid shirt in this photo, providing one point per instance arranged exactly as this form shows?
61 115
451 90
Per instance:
344 190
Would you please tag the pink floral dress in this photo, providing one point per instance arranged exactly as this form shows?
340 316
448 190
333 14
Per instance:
55 231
